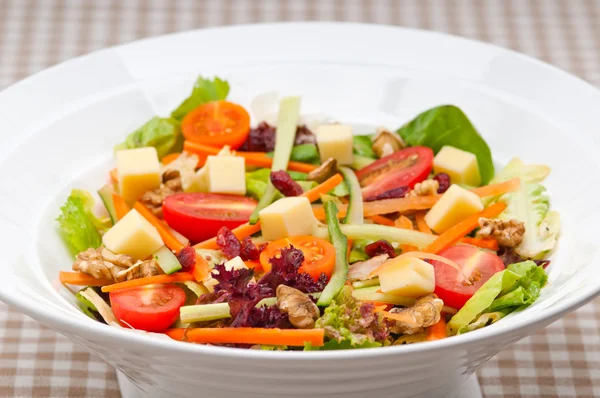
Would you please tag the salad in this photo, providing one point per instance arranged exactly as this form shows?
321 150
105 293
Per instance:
279 236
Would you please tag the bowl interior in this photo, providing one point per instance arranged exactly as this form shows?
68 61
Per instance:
70 145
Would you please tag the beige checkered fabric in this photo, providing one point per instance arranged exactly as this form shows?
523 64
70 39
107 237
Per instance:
561 361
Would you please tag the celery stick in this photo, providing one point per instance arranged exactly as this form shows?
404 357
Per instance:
372 293
354 214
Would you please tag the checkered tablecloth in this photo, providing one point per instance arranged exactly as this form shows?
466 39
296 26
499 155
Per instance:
562 360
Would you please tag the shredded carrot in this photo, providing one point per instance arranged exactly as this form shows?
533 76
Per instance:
170 157
498 189
288 337
114 175
81 279
381 220
252 158
381 306
421 224
246 229
458 231
484 243
437 331
404 223
121 207
150 280
255 265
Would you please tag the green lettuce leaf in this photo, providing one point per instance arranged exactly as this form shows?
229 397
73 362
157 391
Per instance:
362 146
205 90
305 153
518 285
448 125
257 180
357 253
101 224
483 321
164 134
76 225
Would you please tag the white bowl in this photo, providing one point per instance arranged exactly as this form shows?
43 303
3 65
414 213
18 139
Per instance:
58 129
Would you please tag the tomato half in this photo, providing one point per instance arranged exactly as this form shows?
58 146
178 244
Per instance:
199 216
402 168
319 255
216 124
151 308
479 265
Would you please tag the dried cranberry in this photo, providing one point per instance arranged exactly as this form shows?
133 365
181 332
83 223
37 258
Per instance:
380 247
393 193
304 136
249 251
260 139
444 180
285 184
228 243
187 258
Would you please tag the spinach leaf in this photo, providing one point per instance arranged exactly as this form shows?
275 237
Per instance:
305 153
163 134
205 90
448 125
362 146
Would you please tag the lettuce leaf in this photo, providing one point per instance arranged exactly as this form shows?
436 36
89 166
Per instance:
205 90
517 286
101 224
305 153
257 181
363 146
76 225
483 321
164 134
448 125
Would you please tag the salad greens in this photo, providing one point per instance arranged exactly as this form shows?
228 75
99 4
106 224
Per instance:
164 134
448 125
362 146
304 153
205 90
76 223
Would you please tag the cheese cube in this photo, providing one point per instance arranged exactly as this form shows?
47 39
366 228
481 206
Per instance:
133 235
235 263
455 205
226 174
335 141
287 217
460 165
408 277
139 172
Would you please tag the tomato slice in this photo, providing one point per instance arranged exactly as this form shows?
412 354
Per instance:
199 216
479 265
151 308
216 124
402 168
319 255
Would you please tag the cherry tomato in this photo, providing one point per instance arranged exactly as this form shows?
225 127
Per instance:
151 308
479 265
319 255
199 216
402 168
216 124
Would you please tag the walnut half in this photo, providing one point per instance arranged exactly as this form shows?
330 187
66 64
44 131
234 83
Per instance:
101 263
425 312
508 233
302 312
425 188
154 199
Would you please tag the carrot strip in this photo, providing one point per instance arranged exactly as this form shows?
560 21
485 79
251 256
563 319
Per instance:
288 337
498 189
458 231
437 331
484 243
405 223
150 280
381 220
121 208
421 224
253 158
114 175
255 265
170 157
81 279
246 229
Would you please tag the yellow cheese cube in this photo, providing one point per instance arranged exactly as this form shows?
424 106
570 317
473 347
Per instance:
460 165
287 217
408 277
235 263
133 235
139 172
455 205
226 174
335 141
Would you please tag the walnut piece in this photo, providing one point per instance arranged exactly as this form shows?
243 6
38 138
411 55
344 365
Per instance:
426 311
507 233
101 263
301 311
141 269
425 188
324 171
154 199
385 143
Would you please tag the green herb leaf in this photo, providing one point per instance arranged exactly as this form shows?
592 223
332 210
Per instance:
77 226
163 134
205 90
448 125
